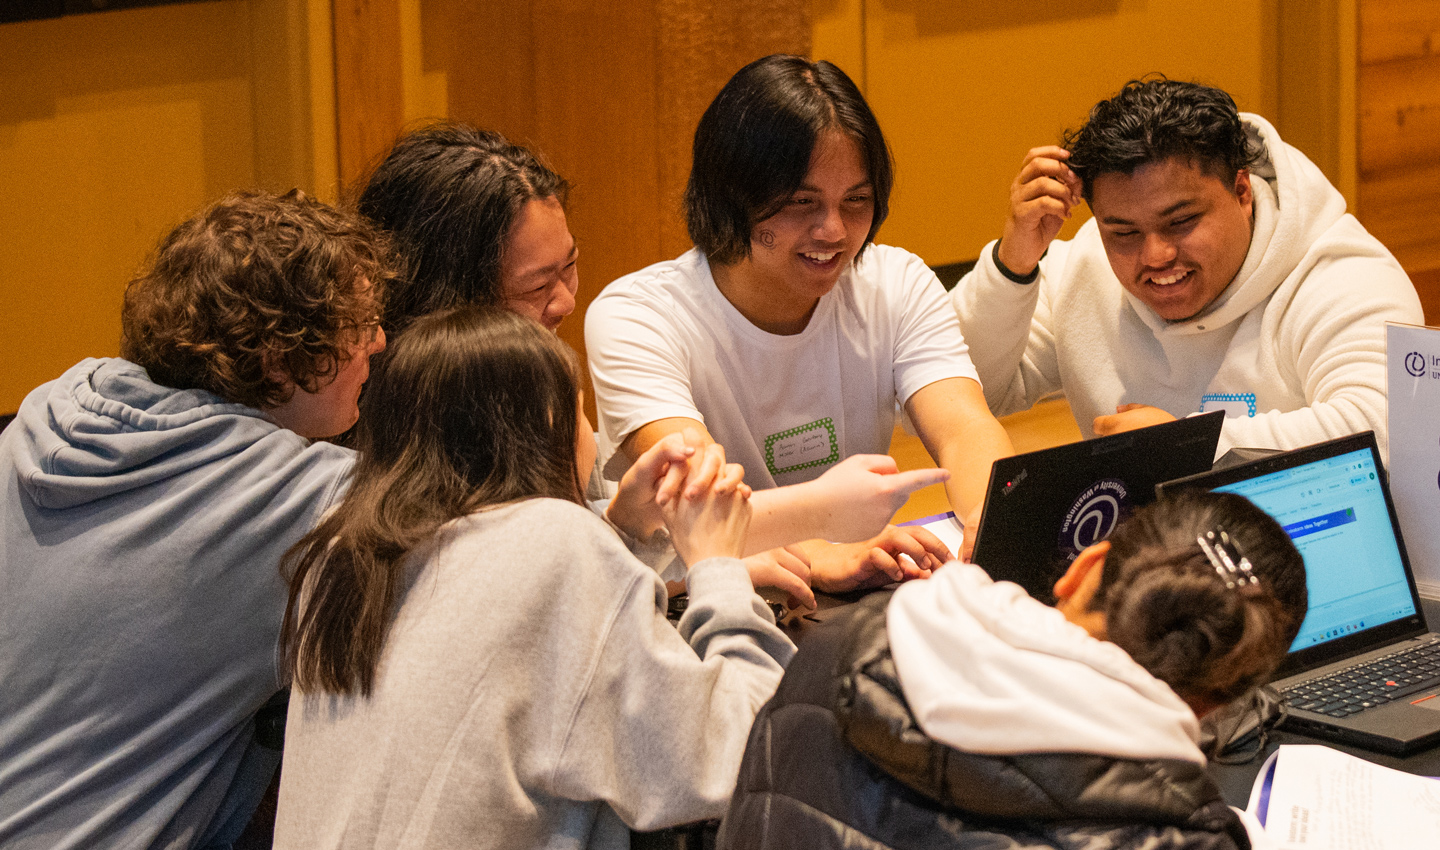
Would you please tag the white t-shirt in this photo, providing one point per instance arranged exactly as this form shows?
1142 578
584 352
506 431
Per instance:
664 342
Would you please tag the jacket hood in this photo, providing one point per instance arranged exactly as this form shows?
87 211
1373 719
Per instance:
1294 205
988 670
104 428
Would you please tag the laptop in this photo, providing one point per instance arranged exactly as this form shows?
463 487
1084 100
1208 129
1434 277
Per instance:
1043 508
1365 669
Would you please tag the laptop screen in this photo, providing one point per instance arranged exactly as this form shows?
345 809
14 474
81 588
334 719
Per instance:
1335 511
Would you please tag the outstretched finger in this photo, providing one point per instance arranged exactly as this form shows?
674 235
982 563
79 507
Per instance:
911 480
878 464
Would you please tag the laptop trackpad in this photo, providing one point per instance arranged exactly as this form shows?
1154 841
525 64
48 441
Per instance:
1431 701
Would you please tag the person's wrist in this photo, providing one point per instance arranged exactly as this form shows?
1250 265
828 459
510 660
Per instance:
1010 274
628 522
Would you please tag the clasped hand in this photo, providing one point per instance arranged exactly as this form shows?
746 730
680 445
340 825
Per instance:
686 486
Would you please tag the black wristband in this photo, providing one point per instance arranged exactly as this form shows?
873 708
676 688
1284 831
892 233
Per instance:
1009 275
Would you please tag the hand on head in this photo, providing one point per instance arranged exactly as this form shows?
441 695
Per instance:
1041 198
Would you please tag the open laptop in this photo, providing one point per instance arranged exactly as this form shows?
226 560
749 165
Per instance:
1044 507
1365 669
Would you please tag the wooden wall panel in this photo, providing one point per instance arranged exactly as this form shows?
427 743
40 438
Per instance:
703 45
1399 29
1398 119
609 93
369 96
1399 114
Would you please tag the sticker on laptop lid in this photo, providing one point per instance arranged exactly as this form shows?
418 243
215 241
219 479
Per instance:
1093 516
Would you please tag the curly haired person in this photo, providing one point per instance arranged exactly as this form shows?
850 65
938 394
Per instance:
147 502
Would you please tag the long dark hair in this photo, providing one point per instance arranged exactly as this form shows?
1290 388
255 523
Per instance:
475 406
449 194
1167 606
753 146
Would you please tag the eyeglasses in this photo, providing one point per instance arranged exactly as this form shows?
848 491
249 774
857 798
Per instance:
369 329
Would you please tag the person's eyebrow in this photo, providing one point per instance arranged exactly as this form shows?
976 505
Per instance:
863 184
1168 211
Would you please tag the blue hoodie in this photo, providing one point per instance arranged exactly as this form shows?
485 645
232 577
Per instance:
140 606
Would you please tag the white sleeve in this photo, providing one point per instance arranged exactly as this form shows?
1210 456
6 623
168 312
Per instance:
1007 326
1332 333
639 366
661 727
928 344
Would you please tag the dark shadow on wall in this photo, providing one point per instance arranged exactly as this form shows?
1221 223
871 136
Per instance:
944 17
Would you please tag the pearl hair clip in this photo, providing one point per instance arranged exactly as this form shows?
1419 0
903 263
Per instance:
1218 548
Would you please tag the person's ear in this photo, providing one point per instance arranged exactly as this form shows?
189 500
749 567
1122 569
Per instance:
1092 558
274 369
1243 193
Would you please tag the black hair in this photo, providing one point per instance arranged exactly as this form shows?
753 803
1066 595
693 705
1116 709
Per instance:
1155 119
475 406
753 147
449 194
1168 607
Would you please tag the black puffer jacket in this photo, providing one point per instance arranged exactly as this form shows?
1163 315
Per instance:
835 760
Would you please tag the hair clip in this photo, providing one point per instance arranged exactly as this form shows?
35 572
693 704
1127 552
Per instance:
1223 554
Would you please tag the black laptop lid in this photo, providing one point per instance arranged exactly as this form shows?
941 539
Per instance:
1044 507
1334 502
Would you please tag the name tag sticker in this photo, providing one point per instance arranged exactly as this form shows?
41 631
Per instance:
804 447
1235 405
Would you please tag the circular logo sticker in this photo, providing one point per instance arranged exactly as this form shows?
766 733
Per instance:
1093 516
1415 364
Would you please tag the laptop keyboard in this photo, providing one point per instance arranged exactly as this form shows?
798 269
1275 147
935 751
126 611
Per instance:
1363 686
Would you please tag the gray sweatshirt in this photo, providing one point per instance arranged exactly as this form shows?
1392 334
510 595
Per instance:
140 604
532 694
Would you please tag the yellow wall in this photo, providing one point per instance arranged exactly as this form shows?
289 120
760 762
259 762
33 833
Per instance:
964 89
114 127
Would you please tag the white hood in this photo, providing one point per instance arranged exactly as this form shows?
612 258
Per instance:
986 669
1294 205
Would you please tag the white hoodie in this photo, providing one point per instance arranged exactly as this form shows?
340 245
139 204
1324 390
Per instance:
986 669
1293 349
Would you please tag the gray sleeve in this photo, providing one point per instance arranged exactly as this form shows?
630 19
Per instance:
661 727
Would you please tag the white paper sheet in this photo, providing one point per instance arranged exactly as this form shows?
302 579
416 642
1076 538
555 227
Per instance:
1323 799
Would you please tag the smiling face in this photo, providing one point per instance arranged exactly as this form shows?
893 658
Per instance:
1175 234
798 254
537 273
